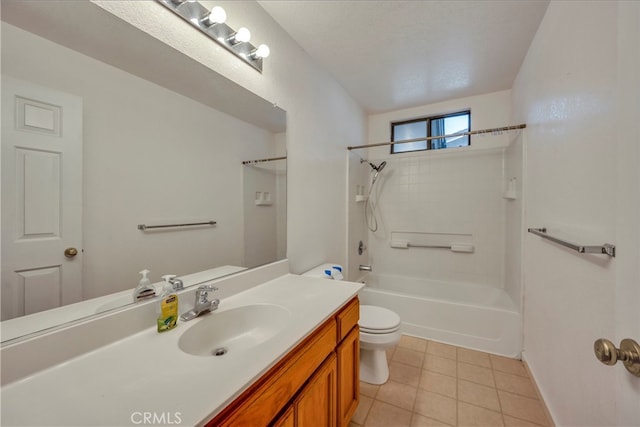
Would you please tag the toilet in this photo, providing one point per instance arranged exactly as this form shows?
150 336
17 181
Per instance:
379 329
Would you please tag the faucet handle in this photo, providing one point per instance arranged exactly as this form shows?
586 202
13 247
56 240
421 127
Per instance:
207 288
203 291
176 284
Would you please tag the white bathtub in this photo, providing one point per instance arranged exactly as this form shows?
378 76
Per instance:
466 315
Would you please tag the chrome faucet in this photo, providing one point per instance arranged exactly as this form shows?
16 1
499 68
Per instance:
365 268
176 284
202 304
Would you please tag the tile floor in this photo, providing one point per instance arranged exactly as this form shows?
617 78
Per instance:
434 384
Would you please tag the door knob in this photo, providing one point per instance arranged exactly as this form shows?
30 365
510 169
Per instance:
70 252
628 353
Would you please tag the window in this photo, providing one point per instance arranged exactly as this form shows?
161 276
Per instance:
431 126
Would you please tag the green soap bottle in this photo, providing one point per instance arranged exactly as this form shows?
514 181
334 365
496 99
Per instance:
168 317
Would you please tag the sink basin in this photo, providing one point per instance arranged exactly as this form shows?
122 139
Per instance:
232 330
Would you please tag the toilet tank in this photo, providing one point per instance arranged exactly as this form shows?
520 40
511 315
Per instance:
327 271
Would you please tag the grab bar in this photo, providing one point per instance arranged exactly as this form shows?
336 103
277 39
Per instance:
454 247
605 249
143 227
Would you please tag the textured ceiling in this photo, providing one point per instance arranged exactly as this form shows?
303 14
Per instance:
396 54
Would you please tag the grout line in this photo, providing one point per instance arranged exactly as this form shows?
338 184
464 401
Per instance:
504 422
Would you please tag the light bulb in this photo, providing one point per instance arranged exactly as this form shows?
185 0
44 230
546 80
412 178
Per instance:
243 35
261 52
217 16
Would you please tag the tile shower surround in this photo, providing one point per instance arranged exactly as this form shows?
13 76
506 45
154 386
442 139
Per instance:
456 192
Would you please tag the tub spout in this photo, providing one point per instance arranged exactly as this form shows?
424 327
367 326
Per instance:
365 268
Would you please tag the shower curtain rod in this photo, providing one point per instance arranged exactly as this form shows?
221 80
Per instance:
429 138
249 162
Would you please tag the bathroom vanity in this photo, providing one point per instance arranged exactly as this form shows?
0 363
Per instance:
291 347
317 383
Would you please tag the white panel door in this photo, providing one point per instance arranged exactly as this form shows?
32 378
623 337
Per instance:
41 198
626 291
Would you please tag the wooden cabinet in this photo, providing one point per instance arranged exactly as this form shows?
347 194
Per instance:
348 353
287 419
316 404
316 384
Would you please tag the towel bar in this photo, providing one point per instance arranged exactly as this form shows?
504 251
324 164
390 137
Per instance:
605 249
143 227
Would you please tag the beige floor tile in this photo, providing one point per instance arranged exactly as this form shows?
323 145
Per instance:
362 410
511 366
436 406
404 374
408 357
438 383
413 343
475 374
442 350
448 386
440 365
421 421
470 415
522 407
478 395
385 415
473 357
389 351
516 422
401 395
367 389
515 384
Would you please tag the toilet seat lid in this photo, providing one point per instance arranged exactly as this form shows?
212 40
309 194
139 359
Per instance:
378 319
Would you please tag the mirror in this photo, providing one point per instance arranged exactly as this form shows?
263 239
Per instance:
162 142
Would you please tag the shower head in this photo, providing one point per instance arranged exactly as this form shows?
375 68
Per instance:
374 167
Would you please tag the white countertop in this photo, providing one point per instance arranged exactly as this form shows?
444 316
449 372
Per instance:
147 374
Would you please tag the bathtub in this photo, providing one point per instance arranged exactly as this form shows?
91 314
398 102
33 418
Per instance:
467 315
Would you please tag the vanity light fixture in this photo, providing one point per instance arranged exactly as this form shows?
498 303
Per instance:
212 24
243 35
261 52
216 16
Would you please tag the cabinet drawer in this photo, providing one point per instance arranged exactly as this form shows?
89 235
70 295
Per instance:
348 318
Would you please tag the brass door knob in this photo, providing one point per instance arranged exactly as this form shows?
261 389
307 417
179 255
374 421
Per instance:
628 353
70 252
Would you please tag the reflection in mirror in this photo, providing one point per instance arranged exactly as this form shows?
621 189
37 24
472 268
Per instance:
90 151
264 188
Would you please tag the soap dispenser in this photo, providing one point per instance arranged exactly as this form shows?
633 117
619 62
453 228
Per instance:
144 289
168 308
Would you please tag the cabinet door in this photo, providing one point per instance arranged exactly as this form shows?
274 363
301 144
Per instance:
316 404
348 376
287 419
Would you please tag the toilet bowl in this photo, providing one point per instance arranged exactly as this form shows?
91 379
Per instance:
379 329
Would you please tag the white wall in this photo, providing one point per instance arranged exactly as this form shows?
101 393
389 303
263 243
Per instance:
514 213
454 191
150 156
582 128
357 186
321 119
